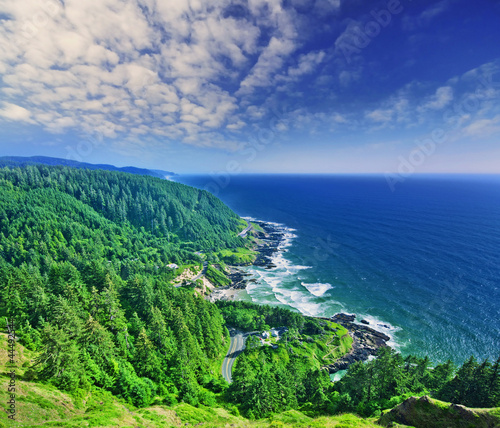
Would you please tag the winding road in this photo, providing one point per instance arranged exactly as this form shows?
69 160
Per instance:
194 278
203 272
236 346
243 233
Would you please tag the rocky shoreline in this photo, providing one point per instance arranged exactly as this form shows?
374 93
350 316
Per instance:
366 342
271 238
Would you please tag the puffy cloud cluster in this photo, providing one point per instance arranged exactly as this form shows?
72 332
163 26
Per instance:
209 72
176 70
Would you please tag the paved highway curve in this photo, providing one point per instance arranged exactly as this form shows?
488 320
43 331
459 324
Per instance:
235 348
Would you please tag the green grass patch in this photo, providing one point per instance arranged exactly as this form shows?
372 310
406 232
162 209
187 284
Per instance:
318 350
239 256
208 417
322 349
257 227
217 277
426 412
242 225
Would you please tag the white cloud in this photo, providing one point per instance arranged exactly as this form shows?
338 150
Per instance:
60 124
307 64
144 67
255 112
338 118
380 115
15 112
396 110
482 128
347 77
440 99
435 10
269 63
411 23
187 70
236 126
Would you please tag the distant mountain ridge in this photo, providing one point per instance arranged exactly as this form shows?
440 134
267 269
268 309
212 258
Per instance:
46 160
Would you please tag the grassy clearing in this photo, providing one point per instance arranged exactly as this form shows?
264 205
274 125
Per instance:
426 412
186 272
257 227
322 349
24 357
46 407
294 418
319 349
41 405
217 277
239 256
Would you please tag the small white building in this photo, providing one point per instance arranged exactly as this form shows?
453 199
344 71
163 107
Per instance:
274 333
265 335
173 266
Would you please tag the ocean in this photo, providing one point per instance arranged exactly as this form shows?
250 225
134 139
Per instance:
420 263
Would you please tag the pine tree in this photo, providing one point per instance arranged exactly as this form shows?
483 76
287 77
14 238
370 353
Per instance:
146 359
99 345
59 360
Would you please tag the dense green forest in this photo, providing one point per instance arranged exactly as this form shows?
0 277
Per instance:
387 380
64 213
84 272
249 316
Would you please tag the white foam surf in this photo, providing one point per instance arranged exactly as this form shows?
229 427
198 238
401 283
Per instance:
383 327
318 289
283 284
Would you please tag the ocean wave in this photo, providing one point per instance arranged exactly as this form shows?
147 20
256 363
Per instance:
282 280
285 265
298 300
318 288
282 285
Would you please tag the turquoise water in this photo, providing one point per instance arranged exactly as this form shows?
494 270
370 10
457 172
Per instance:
421 263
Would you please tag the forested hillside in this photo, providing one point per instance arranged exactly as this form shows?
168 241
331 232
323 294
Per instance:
65 213
22 161
83 271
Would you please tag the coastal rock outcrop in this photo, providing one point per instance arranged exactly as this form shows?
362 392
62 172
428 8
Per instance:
238 279
271 239
343 318
366 342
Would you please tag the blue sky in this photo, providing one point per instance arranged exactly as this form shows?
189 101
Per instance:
330 86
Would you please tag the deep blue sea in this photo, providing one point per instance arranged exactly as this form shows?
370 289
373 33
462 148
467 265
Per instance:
421 263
